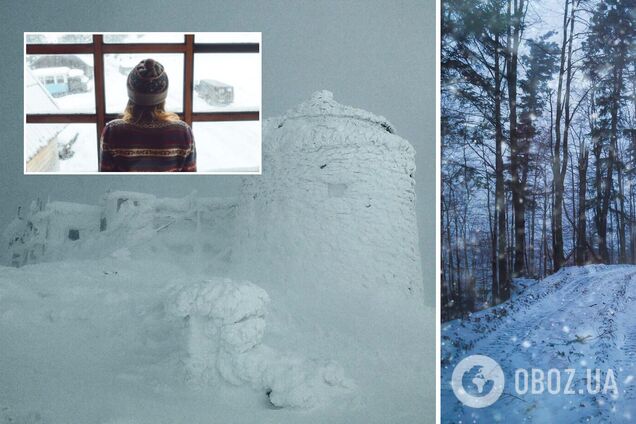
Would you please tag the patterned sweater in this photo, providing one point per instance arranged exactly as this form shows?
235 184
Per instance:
166 146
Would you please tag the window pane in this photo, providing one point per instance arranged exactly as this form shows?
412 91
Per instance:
228 146
63 148
59 84
145 37
227 37
227 82
117 67
58 38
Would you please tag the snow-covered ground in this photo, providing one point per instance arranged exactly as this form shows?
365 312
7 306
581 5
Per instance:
137 309
579 318
99 342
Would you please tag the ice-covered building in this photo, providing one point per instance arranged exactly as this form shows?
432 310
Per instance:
49 231
128 222
335 202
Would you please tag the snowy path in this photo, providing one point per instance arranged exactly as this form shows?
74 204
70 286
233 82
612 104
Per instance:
577 319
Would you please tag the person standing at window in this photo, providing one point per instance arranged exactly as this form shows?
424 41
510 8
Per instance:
147 138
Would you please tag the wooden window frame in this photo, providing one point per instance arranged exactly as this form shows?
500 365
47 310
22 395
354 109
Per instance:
98 49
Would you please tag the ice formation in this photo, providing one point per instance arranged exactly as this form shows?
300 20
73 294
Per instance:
336 201
124 223
226 322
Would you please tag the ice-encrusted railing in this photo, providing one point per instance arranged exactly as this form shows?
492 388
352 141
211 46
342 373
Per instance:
226 324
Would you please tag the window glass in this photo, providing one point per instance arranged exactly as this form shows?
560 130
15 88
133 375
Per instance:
147 37
58 38
118 66
59 84
64 148
227 37
227 82
228 146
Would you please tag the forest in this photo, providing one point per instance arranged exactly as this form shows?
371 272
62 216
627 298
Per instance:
538 134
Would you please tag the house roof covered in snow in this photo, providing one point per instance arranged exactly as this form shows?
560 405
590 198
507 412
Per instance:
322 104
38 136
39 101
71 207
58 70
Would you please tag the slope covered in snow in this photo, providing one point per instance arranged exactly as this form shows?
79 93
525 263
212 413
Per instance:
577 319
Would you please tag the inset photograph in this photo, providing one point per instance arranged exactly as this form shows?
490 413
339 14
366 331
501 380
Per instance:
142 103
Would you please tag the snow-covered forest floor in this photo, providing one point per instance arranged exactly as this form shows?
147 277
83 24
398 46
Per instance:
578 318
96 342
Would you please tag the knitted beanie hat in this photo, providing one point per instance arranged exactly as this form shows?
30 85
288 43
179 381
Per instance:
147 83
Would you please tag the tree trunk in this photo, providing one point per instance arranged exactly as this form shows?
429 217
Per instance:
530 263
581 242
503 290
561 143
517 155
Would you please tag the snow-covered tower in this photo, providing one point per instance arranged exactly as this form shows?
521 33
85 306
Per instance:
335 202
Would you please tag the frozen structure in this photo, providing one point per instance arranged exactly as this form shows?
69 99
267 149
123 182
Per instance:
123 223
226 327
336 201
48 230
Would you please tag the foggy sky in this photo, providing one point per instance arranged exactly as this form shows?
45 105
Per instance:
375 55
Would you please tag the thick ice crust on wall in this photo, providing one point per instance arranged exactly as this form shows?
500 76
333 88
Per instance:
335 202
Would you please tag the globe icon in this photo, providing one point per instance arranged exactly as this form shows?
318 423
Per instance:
477 381
480 381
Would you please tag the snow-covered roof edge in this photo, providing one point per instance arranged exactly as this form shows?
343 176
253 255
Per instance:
321 103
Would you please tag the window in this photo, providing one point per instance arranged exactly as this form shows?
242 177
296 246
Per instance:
74 80
233 146
144 37
58 38
68 84
73 234
226 81
65 148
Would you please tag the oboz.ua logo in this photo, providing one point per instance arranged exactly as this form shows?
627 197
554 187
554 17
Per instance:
478 381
